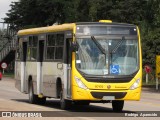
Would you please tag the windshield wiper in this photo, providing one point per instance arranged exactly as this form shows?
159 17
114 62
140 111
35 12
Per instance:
98 45
117 46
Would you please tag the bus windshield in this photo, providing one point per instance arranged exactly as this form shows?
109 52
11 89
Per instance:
91 60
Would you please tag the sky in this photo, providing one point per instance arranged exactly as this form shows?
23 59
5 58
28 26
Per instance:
4 7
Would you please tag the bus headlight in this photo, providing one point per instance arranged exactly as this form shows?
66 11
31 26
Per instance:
80 83
135 84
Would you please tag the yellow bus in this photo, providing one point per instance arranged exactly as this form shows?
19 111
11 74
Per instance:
80 63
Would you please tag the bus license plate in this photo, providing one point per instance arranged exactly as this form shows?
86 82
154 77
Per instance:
108 98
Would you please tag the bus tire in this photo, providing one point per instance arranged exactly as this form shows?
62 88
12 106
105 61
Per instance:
41 101
32 97
64 104
117 105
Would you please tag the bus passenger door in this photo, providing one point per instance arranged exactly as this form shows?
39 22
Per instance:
40 67
67 68
23 68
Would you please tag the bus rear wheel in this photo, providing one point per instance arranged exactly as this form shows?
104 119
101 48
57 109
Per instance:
117 105
34 99
64 104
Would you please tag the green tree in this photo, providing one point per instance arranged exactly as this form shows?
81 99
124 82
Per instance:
35 13
128 11
151 47
151 32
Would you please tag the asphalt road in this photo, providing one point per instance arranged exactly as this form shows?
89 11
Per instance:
12 100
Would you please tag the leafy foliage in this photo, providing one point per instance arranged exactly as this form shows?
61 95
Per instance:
144 13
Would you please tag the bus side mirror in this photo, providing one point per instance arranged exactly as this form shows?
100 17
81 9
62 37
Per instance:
74 47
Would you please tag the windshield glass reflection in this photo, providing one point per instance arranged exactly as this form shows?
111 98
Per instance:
90 59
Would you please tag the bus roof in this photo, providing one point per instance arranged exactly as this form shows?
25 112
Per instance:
63 27
41 30
104 23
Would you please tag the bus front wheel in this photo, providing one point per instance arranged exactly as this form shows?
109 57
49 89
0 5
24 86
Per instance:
64 104
117 105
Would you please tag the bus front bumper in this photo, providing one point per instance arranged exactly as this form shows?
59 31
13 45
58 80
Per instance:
82 94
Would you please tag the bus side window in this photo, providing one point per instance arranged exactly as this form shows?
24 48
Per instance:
18 54
50 46
67 51
59 46
32 48
18 50
24 51
54 48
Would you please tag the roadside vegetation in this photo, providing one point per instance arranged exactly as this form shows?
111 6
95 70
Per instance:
144 13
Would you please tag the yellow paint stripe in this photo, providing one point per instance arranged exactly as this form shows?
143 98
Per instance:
41 30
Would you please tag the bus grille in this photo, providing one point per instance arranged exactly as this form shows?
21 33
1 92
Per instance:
118 95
